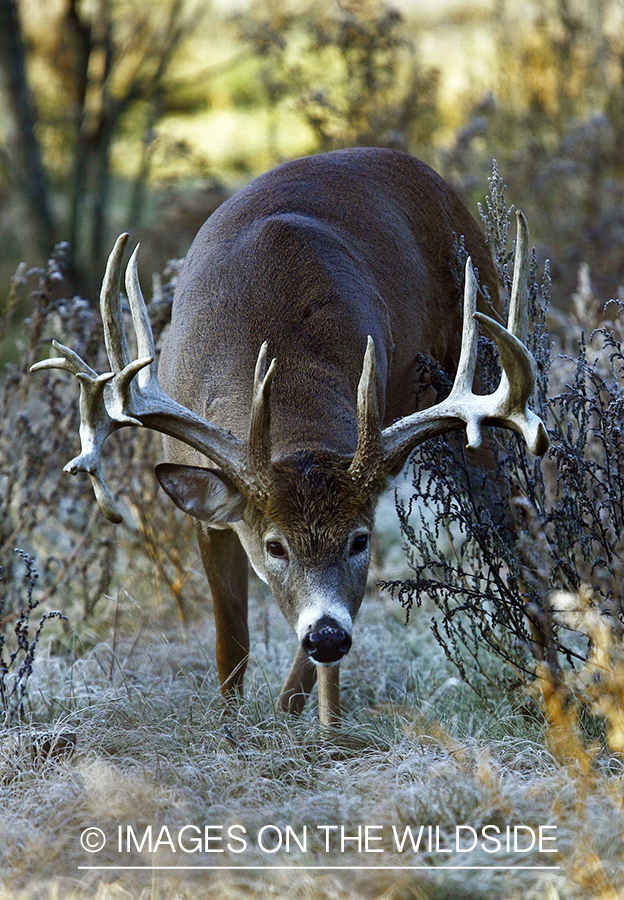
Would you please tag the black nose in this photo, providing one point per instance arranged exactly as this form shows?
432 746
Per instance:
327 642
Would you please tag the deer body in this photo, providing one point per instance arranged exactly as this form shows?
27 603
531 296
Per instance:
312 257
342 268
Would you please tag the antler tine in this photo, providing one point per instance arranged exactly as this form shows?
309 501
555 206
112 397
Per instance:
509 403
69 361
464 377
95 423
365 466
518 378
119 401
518 319
110 308
95 427
259 446
140 318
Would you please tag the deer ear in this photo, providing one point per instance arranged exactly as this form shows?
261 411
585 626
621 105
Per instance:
203 493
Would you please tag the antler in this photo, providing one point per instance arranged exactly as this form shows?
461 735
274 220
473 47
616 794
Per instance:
506 407
132 395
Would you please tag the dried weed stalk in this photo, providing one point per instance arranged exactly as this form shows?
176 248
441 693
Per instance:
18 655
493 578
53 515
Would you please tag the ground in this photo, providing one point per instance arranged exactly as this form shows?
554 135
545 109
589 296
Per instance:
134 781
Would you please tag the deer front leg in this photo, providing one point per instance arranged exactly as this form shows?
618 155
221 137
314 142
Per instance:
227 570
299 682
329 695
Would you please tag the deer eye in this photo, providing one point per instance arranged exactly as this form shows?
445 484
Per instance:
276 549
359 545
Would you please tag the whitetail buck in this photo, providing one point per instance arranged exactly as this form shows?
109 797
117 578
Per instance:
341 266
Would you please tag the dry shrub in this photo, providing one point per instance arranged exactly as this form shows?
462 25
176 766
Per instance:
18 655
349 71
555 119
494 585
55 518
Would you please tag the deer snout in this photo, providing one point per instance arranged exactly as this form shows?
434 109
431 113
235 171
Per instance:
326 642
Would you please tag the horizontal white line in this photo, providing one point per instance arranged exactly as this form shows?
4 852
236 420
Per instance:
319 868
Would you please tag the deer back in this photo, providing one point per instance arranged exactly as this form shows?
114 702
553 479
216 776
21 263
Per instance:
313 257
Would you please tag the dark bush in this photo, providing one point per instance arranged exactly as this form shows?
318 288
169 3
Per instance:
494 577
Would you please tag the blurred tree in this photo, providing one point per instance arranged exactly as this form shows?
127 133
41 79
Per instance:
18 125
115 56
374 91
101 61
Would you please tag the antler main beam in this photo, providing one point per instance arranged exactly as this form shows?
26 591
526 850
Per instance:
131 395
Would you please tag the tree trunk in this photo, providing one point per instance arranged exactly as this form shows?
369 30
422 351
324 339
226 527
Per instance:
18 124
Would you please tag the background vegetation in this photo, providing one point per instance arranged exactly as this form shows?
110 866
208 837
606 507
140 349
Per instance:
143 117
129 115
